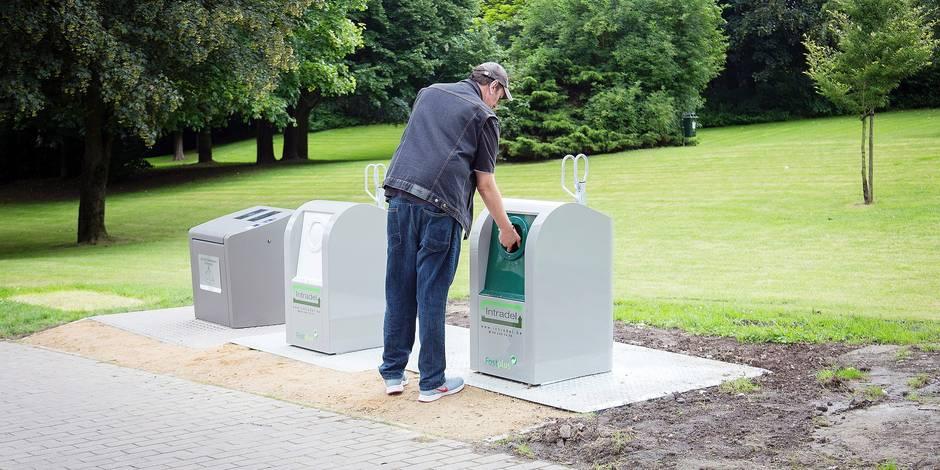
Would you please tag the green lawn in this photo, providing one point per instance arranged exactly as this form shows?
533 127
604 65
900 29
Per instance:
757 232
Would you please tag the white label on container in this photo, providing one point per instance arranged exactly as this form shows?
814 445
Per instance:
210 278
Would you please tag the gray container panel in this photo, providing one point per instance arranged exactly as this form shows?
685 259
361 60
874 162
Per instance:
566 320
256 267
346 312
210 285
479 250
572 301
355 262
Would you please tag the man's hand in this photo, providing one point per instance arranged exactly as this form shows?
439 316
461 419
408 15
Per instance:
509 239
493 200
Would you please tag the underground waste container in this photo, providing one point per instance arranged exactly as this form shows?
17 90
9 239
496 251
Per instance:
237 262
544 311
334 275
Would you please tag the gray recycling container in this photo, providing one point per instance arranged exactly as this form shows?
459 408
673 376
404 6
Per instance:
543 312
237 264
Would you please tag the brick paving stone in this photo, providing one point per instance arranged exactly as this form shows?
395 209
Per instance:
60 411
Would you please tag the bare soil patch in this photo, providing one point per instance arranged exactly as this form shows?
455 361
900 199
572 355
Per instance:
791 421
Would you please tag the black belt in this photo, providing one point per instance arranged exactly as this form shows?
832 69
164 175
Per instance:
392 193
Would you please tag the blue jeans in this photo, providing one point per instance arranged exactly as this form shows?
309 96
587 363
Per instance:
423 249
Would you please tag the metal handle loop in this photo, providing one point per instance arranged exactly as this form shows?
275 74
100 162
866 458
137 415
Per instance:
580 181
377 179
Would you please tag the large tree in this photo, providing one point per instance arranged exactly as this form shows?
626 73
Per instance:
920 89
765 73
763 77
321 45
504 18
600 76
118 67
408 44
874 44
210 95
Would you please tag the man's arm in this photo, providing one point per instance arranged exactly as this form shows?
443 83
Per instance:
493 200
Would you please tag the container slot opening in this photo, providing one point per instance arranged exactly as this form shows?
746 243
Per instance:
249 214
263 216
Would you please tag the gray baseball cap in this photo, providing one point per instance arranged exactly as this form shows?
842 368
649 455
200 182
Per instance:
496 72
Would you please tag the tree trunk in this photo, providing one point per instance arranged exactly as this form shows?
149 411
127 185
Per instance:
303 128
205 145
290 138
264 142
178 154
864 175
871 158
63 160
95 164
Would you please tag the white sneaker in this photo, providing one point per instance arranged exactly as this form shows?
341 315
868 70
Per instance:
396 386
451 386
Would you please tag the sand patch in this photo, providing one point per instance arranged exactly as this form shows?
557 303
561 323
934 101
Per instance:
77 300
472 415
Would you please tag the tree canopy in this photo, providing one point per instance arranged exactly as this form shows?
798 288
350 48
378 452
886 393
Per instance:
763 78
408 44
589 76
873 45
321 43
601 76
117 67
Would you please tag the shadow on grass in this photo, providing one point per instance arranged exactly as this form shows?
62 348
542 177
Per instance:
60 252
62 190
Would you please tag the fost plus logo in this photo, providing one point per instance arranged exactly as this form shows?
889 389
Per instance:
499 363
306 336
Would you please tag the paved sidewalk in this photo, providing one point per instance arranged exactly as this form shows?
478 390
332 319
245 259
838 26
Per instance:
64 411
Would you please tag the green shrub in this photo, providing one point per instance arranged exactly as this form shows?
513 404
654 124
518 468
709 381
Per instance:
603 76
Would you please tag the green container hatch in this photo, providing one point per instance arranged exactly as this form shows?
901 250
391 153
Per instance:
505 270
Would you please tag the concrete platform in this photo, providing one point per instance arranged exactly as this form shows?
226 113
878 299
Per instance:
180 326
638 373
276 343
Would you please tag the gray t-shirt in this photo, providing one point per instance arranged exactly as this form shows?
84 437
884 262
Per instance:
487 147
